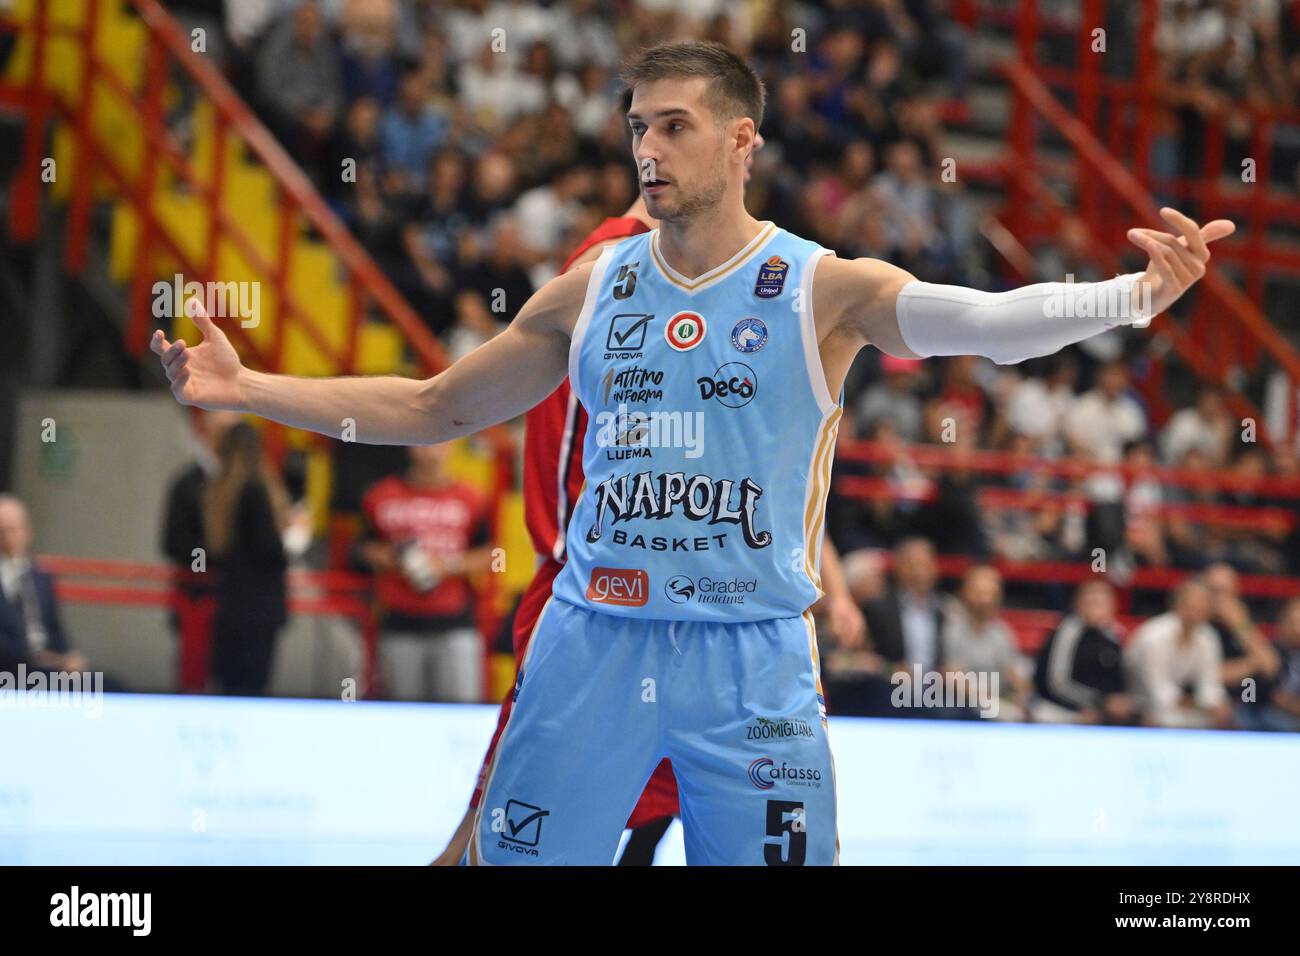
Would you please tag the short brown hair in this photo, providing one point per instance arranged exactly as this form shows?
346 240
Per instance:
733 90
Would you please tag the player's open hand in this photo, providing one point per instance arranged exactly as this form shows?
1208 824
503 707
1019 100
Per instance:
1177 260
207 375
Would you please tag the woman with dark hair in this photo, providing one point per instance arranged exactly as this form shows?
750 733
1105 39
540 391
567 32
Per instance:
245 512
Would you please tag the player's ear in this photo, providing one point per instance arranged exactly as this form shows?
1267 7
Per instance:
742 136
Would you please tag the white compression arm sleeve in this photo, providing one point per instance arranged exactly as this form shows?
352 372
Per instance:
1010 327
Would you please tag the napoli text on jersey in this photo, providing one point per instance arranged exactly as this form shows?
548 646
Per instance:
710 436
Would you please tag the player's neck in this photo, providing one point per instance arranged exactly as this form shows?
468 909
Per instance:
706 241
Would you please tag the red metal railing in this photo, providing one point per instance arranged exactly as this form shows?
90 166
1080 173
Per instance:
1219 298
298 206
1031 627
953 457
925 460
344 594
1237 517
1122 115
140 584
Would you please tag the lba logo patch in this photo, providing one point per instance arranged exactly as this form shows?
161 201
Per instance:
685 330
771 278
749 335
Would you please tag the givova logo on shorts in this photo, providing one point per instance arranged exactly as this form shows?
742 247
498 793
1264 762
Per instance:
519 826
765 773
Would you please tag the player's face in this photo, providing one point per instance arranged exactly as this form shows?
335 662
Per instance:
679 148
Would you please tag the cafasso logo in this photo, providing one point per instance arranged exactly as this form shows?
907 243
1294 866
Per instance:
765 773
681 589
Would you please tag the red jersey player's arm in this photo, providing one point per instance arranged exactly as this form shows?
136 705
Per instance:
497 381
846 619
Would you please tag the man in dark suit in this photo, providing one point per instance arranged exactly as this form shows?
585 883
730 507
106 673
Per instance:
906 624
905 630
31 632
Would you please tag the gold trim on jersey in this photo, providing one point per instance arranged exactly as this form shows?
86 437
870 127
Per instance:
819 484
716 273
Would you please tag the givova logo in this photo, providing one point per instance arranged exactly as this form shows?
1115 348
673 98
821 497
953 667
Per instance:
74 908
520 826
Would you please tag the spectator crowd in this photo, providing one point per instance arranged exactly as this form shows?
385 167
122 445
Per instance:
471 144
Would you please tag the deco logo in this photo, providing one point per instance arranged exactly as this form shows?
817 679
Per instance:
733 384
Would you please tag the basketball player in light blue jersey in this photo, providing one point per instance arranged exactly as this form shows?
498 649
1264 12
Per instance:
709 355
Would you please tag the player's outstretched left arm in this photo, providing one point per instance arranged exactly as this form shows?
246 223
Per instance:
886 306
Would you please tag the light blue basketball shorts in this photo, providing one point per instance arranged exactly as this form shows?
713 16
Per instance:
601 699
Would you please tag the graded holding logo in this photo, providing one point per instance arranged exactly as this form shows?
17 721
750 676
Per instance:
684 331
679 589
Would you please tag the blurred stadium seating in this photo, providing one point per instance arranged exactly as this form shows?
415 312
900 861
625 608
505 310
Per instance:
977 142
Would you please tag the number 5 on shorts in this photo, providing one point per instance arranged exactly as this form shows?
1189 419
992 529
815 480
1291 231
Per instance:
778 826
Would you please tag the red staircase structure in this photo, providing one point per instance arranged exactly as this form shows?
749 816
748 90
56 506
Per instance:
1109 135
87 72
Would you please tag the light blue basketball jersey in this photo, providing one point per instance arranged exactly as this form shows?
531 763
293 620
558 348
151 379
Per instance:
709 439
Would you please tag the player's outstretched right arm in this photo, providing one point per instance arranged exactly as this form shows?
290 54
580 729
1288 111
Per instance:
497 381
